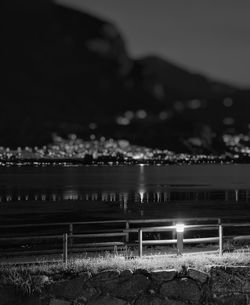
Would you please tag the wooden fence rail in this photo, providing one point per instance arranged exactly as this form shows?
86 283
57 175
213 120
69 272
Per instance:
69 238
120 221
177 241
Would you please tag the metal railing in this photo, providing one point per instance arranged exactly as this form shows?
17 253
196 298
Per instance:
179 240
125 230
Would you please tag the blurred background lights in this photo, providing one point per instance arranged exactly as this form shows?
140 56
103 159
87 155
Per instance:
194 104
178 106
92 126
129 114
228 121
163 115
122 121
227 102
141 114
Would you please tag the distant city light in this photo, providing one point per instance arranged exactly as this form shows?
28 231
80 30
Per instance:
228 102
194 104
163 115
112 151
138 156
178 106
123 143
141 114
129 114
228 121
122 121
92 126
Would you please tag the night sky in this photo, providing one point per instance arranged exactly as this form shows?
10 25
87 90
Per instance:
211 37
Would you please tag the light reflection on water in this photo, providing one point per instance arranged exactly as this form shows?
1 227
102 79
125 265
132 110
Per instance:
126 185
140 197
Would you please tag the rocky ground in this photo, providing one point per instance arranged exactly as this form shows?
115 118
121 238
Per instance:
220 285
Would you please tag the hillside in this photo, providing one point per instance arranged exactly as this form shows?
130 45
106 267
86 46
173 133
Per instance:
70 72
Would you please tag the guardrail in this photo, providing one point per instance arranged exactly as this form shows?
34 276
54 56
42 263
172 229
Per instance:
180 240
128 227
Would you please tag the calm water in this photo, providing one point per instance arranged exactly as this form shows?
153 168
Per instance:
126 183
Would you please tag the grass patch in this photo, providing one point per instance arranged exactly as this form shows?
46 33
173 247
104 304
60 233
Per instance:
109 261
29 279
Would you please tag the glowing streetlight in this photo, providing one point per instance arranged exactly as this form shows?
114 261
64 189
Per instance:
180 230
180 227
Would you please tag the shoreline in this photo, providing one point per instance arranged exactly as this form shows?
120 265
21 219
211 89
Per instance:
82 162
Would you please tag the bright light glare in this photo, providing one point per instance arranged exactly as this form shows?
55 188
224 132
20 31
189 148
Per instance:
180 227
141 194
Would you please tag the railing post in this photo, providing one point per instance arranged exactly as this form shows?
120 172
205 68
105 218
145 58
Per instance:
220 238
140 242
179 243
65 248
173 231
70 234
127 235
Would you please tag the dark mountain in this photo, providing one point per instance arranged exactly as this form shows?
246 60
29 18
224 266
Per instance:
180 83
61 65
69 72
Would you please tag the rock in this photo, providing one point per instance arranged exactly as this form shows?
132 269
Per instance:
7 296
231 300
142 271
69 289
86 275
106 281
31 300
173 302
163 275
86 294
183 290
80 301
59 302
107 275
126 274
230 280
10 296
106 300
151 300
197 275
133 287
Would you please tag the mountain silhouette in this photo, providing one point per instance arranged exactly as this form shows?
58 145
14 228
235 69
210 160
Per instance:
67 71
180 82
